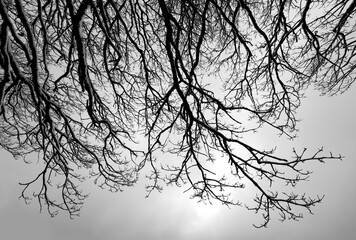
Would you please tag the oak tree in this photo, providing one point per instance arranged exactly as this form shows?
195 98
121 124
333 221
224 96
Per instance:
120 87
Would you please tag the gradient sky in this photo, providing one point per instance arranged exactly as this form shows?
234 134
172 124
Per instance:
327 121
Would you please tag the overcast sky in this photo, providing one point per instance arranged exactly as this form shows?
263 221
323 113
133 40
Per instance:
327 121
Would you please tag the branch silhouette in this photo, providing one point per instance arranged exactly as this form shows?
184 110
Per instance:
117 87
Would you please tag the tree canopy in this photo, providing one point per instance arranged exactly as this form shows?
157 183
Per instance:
168 87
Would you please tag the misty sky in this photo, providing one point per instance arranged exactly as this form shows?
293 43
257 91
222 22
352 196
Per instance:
327 121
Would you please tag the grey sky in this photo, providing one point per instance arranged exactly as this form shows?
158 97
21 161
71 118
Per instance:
328 122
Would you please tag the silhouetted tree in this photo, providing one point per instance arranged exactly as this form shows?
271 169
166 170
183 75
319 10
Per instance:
118 86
